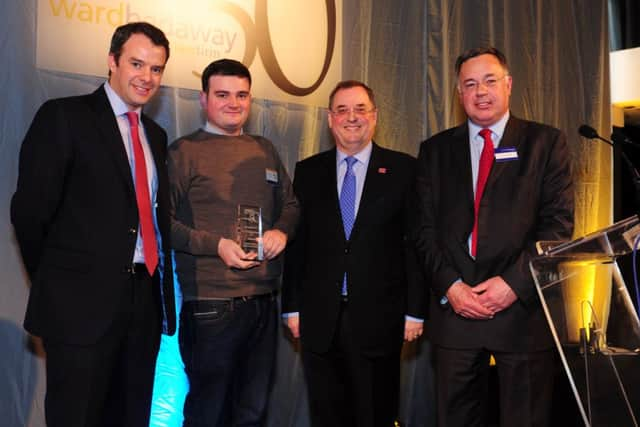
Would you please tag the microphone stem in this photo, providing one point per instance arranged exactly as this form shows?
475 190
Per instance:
605 140
635 177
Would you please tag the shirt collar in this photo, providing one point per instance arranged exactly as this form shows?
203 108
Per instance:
497 129
362 156
208 127
117 104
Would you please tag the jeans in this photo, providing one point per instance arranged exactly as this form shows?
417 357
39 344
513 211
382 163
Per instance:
228 347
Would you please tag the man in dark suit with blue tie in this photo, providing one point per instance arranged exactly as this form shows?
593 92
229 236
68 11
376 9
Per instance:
352 289
90 214
489 189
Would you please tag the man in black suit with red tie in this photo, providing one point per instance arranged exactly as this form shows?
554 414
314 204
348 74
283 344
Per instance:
352 289
489 189
90 214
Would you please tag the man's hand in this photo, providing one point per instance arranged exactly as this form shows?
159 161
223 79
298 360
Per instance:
273 242
495 294
233 255
466 302
293 323
412 330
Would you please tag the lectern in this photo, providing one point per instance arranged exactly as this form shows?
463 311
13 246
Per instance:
593 321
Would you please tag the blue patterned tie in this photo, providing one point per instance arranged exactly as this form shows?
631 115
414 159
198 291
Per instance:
348 205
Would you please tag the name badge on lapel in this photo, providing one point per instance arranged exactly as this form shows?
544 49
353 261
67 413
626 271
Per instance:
271 175
506 154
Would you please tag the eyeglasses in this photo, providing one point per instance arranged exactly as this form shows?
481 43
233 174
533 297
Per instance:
489 82
359 111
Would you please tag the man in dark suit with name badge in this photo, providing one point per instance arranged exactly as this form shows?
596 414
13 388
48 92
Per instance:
351 284
90 214
489 189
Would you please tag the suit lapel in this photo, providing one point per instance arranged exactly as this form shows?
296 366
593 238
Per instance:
327 180
107 126
332 179
502 176
373 189
512 138
461 174
155 144
460 183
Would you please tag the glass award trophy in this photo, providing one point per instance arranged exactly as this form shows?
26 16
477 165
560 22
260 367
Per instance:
249 230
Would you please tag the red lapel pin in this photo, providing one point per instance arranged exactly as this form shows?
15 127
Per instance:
382 170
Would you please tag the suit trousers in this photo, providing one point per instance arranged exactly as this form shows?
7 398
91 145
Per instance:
228 347
110 382
525 382
349 388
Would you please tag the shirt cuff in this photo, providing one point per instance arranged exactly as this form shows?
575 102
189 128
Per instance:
413 319
288 315
444 300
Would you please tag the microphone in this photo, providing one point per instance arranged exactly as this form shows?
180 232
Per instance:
590 133
617 136
587 131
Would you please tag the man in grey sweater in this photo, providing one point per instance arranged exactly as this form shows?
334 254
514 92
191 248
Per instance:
229 319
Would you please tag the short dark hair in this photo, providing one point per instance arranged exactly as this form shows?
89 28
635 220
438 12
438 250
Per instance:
124 32
224 67
348 84
477 51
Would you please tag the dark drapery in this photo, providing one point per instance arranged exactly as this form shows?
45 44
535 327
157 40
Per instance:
624 31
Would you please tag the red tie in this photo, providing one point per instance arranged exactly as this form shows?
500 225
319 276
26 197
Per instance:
149 243
486 160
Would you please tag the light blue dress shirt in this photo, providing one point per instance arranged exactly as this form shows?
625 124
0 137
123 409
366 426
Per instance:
119 110
476 144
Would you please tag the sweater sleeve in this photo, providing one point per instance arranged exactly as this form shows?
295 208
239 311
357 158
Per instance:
184 237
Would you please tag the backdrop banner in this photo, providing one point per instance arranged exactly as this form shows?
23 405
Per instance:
265 35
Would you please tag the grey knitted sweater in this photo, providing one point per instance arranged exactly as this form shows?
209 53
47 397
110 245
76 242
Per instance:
209 175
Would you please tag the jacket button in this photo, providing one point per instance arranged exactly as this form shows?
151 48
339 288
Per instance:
132 231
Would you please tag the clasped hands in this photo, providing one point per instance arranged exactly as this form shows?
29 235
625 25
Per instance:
273 243
482 301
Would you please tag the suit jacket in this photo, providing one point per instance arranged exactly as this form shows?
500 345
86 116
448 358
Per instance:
524 201
75 218
384 282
